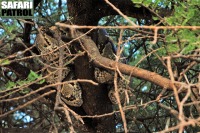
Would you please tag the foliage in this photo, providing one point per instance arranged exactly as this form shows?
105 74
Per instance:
19 83
4 62
151 107
184 14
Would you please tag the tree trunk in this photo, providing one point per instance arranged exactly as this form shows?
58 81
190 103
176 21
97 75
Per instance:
89 12
95 98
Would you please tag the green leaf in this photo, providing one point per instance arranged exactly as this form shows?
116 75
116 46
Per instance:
10 85
4 62
173 48
147 3
41 81
32 76
21 82
25 91
137 1
189 48
155 18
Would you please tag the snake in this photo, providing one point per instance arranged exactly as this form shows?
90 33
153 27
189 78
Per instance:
107 49
48 44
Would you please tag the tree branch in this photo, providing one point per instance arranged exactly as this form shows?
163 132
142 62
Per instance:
101 61
88 15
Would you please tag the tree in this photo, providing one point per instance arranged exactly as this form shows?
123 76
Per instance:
158 43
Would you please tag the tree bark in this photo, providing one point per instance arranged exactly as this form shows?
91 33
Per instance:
109 64
89 12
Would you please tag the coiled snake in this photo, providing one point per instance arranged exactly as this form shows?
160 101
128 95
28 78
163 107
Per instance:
107 49
71 93
48 46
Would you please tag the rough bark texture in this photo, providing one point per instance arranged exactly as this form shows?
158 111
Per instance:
89 12
95 97
106 63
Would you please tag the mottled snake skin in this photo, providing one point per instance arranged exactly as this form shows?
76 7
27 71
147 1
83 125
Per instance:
107 50
122 87
71 91
48 46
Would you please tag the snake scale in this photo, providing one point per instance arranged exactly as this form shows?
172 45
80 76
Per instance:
48 46
107 49
71 93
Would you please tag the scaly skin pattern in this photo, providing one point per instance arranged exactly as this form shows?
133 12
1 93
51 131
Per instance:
106 49
48 46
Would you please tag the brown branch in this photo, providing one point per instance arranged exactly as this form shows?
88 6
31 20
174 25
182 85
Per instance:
100 61
27 103
83 11
126 27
